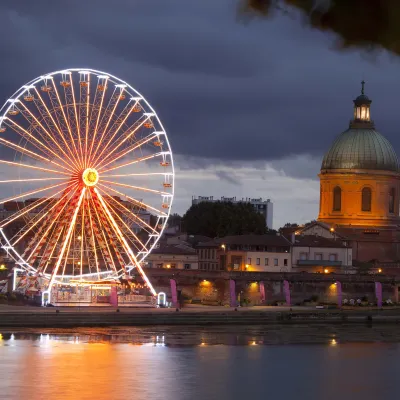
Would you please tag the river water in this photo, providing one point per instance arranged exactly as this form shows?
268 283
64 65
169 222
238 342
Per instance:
192 363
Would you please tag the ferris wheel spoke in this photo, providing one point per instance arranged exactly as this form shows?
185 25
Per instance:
115 213
62 119
91 236
135 161
118 125
47 142
143 189
75 116
115 146
128 150
47 216
33 167
48 117
132 216
101 237
66 239
30 153
31 193
27 209
106 118
137 174
127 248
33 180
102 86
134 201
32 139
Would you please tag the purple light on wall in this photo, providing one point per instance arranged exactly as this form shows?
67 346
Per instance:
114 296
262 292
286 290
378 293
232 293
174 292
339 293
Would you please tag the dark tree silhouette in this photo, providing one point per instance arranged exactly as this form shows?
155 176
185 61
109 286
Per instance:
363 24
218 219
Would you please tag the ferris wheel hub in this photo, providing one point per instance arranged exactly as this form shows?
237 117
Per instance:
90 177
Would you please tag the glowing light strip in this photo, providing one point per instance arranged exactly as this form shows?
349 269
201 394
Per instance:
128 150
30 193
74 161
25 210
65 119
54 273
138 188
76 115
31 153
106 127
130 211
115 133
33 167
94 243
100 230
43 216
138 174
126 137
140 203
127 248
127 227
97 119
137 160
33 180
13 123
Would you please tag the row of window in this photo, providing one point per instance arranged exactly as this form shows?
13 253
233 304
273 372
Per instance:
208 254
366 199
209 266
165 265
319 256
266 261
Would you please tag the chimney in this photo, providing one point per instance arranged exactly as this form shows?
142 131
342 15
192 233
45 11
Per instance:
293 238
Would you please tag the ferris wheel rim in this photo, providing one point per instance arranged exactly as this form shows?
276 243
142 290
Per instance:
16 96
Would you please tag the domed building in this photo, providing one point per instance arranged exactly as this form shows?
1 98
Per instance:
360 175
360 190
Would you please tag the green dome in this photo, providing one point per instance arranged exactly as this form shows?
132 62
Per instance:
361 148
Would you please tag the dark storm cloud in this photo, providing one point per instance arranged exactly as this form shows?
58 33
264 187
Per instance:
262 91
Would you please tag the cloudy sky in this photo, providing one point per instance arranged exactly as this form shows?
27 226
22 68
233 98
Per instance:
250 106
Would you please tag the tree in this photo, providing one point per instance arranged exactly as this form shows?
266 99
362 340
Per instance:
291 225
218 219
174 220
366 25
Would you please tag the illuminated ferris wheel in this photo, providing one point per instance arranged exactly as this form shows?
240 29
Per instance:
87 177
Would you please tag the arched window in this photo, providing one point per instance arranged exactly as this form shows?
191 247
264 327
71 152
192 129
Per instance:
366 199
337 199
392 194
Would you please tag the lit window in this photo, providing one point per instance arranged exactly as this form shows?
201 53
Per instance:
366 199
337 199
392 194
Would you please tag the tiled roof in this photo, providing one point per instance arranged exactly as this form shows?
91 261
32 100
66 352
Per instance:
174 249
318 241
